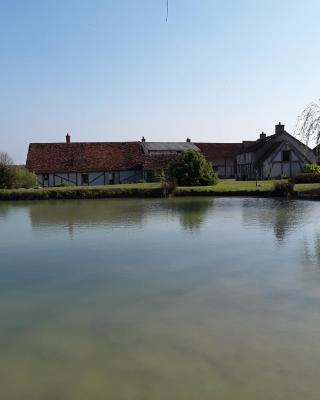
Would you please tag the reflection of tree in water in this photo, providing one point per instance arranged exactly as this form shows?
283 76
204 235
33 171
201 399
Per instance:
192 212
281 215
4 210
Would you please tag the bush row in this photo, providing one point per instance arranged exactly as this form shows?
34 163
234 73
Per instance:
307 178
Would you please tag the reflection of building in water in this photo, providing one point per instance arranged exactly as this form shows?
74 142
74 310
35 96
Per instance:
311 255
75 215
282 216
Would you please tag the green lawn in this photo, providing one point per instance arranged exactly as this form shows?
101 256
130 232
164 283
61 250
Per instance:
227 187
305 187
231 185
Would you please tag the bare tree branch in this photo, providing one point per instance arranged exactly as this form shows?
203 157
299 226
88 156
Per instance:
308 123
5 159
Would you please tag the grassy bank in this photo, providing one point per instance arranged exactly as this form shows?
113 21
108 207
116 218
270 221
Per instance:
223 188
229 188
83 192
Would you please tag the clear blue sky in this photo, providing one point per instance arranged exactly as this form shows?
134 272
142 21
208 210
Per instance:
115 70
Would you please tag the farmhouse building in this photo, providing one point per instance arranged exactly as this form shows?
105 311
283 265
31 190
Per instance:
103 163
273 156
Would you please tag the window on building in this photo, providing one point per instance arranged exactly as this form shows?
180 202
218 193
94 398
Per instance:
46 177
85 179
286 155
111 178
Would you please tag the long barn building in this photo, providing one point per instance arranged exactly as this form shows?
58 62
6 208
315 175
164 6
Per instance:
105 163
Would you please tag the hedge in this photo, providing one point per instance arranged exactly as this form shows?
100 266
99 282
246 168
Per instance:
307 178
78 193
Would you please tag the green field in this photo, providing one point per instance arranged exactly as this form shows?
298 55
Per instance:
230 185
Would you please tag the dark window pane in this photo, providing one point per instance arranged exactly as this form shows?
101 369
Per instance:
85 179
286 155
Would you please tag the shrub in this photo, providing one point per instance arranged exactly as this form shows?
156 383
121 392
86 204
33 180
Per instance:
24 179
168 188
312 168
307 178
157 175
283 188
192 169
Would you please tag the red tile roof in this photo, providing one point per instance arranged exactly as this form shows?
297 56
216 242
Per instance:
158 161
218 151
83 157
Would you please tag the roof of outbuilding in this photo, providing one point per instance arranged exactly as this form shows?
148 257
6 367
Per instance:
159 161
216 151
257 144
83 157
270 150
168 146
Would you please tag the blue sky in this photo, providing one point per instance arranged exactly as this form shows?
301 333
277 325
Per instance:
115 70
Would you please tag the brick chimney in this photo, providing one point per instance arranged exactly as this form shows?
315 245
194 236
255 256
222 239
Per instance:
68 138
279 128
262 136
188 140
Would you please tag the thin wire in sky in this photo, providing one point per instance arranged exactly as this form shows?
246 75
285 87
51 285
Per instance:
167 16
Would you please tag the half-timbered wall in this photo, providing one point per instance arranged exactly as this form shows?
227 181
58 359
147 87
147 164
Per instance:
276 166
90 178
225 168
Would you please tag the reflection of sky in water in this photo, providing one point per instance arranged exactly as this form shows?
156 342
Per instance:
160 299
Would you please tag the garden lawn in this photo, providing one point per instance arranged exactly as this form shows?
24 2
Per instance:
231 185
306 187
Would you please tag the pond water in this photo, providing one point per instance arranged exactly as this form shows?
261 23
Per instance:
160 299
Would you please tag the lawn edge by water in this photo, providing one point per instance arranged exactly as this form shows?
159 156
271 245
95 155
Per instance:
144 190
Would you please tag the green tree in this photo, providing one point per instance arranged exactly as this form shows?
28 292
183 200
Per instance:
192 169
7 173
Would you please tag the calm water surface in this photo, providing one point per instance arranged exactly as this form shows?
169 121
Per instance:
160 299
